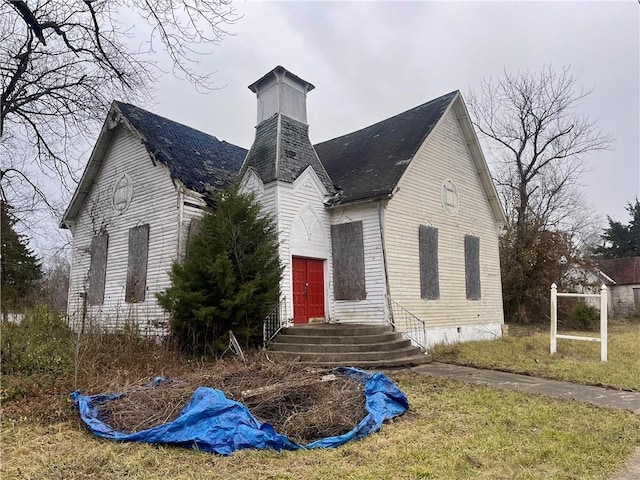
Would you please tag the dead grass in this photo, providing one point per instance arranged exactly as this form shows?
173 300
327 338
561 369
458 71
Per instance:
526 351
454 431
292 398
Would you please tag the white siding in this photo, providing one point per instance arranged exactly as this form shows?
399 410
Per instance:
372 309
193 207
304 229
154 202
418 201
292 200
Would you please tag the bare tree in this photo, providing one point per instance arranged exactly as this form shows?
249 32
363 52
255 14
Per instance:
538 141
62 62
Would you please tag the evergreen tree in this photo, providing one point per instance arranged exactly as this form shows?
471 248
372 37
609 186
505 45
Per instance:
230 278
20 270
622 240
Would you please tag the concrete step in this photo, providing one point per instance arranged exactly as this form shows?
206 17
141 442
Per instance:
339 340
349 358
357 345
409 361
331 347
329 329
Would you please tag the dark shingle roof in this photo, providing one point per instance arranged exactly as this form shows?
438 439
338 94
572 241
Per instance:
623 271
262 154
200 161
295 154
369 163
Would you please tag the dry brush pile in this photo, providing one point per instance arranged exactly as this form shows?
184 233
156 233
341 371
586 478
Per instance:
303 403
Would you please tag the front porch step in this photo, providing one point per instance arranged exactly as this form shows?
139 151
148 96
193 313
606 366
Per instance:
365 346
287 337
333 329
329 347
351 357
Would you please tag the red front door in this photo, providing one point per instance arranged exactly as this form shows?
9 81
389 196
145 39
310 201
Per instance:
308 289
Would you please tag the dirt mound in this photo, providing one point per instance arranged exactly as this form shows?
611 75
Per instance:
303 403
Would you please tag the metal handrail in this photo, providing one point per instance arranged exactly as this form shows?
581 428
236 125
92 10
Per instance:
274 321
407 323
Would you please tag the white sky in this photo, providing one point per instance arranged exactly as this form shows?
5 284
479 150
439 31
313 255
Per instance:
371 60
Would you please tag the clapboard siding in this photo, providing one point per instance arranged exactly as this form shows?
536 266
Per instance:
372 309
291 200
193 208
416 202
154 202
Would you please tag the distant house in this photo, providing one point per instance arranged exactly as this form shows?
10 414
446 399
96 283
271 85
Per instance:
398 220
622 278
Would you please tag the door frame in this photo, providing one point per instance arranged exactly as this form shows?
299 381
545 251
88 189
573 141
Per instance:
324 289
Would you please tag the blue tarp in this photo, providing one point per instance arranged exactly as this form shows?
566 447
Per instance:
213 423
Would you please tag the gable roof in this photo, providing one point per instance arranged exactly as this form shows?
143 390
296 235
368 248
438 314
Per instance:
623 271
200 161
368 163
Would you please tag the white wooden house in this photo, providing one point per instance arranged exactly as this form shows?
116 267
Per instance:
396 221
130 216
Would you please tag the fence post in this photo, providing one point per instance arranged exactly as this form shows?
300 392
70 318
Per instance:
603 323
554 317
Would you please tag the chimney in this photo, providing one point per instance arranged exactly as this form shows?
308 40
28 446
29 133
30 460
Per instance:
280 91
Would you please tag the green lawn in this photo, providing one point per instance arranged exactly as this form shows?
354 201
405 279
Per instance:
453 431
527 352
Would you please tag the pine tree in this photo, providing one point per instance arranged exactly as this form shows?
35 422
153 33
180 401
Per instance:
20 270
622 240
230 278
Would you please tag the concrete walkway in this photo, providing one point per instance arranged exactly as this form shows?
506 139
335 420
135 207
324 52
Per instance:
553 388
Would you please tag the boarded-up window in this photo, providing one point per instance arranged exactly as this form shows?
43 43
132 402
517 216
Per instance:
137 267
98 269
348 261
428 245
472 266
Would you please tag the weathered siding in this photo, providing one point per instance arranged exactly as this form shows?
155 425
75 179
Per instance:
417 201
191 208
624 301
154 202
372 308
303 229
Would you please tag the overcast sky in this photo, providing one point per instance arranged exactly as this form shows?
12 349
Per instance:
372 60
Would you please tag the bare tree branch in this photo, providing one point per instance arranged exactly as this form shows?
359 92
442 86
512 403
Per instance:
62 63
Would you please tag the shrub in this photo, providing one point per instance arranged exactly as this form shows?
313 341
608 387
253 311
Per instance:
230 278
585 316
40 343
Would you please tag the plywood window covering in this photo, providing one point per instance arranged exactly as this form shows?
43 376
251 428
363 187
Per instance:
428 245
348 261
98 269
137 266
472 266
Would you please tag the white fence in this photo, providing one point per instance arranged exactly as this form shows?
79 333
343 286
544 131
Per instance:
603 319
